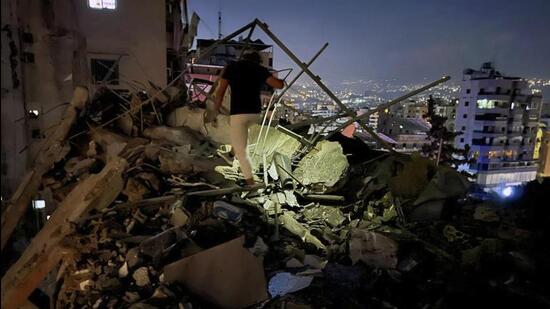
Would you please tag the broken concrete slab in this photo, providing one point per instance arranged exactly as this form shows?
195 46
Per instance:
179 135
194 119
227 275
288 222
329 214
323 166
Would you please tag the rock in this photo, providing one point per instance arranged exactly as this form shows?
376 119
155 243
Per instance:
141 277
179 217
123 270
325 165
133 258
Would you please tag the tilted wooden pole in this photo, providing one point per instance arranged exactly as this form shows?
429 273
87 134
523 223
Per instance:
51 151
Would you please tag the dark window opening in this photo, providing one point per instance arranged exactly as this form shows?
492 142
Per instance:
467 90
26 37
27 57
466 103
35 133
104 70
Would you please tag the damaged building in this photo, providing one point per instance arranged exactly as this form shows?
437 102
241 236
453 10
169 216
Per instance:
131 199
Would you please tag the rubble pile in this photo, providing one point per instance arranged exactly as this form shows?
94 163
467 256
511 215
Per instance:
147 215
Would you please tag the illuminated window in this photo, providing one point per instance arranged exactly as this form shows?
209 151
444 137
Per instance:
484 103
102 4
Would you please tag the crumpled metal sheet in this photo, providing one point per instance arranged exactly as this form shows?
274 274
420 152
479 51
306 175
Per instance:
325 165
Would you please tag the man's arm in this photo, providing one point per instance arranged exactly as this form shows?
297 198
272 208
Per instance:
220 92
275 82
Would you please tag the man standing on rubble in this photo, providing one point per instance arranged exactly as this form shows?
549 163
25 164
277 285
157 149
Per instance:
246 77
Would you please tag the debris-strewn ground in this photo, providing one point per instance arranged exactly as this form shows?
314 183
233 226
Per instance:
337 226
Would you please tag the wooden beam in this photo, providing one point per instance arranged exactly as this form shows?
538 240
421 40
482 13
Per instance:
46 249
51 151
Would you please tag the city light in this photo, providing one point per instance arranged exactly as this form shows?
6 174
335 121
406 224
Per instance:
507 192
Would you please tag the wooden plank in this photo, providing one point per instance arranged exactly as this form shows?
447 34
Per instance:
45 251
51 151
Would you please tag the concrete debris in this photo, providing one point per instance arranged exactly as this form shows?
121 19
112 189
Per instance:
144 211
373 249
141 276
293 226
324 166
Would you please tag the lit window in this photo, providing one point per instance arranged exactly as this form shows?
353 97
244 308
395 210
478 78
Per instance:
102 4
38 204
484 103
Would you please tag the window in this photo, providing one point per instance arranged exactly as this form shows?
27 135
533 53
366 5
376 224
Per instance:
467 90
466 103
465 116
102 4
105 70
462 140
484 103
463 128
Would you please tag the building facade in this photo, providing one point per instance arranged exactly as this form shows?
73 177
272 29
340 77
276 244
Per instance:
409 134
499 117
544 155
57 45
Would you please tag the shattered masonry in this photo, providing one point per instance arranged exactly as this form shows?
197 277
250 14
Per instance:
147 215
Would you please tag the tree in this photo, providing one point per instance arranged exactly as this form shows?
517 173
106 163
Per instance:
441 147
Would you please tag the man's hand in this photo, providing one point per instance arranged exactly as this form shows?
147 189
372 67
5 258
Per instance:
275 82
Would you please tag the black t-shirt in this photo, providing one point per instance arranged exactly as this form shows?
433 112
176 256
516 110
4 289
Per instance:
246 79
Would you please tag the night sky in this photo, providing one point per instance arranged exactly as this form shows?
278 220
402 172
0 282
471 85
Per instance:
410 41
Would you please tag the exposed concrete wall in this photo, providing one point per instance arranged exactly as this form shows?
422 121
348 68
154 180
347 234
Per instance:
66 35
13 163
135 30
